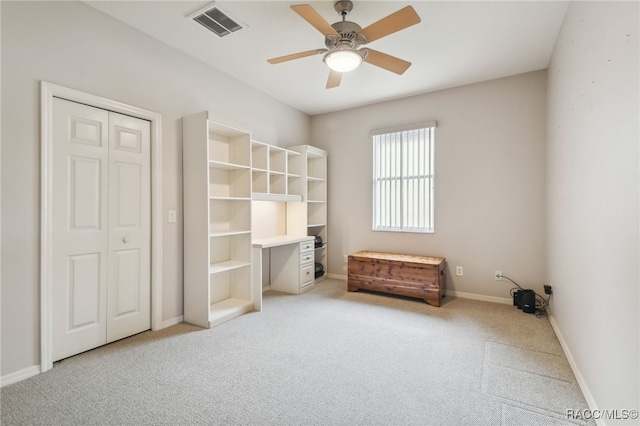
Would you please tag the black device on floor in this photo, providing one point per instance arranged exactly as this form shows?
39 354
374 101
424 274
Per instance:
528 300
517 297
525 300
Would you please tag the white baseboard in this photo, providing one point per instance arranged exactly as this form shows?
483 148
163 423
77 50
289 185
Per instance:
574 367
337 277
481 297
173 321
20 375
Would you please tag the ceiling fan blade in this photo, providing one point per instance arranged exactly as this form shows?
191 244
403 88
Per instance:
397 21
294 56
334 79
388 62
310 15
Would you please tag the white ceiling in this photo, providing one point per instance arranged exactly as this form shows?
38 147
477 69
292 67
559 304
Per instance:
457 43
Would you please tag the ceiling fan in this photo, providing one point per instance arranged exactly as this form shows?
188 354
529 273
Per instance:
344 38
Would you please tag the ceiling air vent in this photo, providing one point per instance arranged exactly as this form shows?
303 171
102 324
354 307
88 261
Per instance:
217 20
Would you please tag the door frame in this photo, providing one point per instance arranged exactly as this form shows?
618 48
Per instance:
47 92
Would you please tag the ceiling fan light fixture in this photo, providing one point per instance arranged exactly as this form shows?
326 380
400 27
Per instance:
343 59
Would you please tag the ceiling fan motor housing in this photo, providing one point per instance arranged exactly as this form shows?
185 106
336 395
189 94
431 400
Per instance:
349 35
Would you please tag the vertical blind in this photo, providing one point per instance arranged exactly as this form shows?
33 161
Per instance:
403 179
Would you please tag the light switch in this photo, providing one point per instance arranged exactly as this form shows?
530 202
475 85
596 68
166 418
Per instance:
172 216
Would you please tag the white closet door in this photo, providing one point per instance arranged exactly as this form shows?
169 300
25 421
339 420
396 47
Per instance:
101 222
80 222
129 302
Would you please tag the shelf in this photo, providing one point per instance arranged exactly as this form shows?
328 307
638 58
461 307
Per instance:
227 309
229 150
227 129
234 183
260 155
213 197
228 146
277 183
317 190
316 167
229 214
315 179
229 252
316 201
294 186
315 225
227 166
277 159
260 179
294 162
228 233
263 196
316 212
227 266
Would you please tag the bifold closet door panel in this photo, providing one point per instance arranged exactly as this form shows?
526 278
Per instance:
129 294
80 219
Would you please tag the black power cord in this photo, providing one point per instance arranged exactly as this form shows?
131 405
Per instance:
542 304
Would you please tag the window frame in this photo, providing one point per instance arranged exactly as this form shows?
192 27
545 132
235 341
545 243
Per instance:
397 168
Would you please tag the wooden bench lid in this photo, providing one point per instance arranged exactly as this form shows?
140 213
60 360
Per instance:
428 260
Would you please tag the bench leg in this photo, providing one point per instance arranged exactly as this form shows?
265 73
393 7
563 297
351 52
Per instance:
433 302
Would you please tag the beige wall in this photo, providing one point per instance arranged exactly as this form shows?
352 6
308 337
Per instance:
489 184
74 45
592 198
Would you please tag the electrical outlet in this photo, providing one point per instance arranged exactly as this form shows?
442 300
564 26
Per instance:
548 289
172 216
498 275
459 271
345 259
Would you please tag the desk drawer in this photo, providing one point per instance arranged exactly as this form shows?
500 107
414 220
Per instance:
306 274
306 257
306 246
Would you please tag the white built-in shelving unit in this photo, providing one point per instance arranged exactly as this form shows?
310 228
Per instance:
314 195
224 170
217 220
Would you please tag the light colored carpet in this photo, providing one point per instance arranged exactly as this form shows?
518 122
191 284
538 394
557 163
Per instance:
324 357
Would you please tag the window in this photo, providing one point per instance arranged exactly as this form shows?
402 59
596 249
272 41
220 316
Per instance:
403 178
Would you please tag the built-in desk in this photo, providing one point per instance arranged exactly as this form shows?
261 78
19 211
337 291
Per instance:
291 265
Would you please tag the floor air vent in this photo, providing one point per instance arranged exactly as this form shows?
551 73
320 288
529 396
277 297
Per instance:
218 21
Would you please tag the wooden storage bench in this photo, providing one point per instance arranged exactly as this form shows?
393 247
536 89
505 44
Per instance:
422 277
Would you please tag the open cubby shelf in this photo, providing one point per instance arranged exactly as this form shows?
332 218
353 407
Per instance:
276 173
